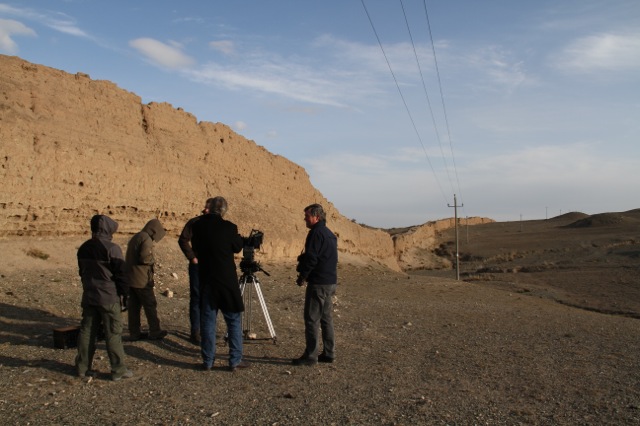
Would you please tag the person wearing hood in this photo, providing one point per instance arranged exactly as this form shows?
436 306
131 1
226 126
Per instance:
140 263
104 286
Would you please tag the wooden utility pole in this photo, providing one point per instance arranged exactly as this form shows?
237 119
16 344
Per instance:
455 209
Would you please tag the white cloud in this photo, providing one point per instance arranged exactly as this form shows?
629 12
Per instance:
536 165
240 126
602 52
334 73
290 80
498 67
56 21
68 28
379 190
10 28
579 176
225 46
168 56
370 56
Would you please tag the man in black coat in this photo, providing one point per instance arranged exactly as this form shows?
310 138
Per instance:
215 240
318 267
184 241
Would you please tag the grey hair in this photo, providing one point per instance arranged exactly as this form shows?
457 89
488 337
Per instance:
217 205
316 210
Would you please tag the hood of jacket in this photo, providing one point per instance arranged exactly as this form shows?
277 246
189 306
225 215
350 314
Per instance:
155 230
103 227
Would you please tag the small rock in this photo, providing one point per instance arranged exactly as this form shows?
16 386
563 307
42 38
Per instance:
167 293
174 275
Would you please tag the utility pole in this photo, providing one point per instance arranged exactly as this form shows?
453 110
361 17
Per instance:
455 209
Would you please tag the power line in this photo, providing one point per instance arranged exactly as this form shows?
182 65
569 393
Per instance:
426 93
404 101
444 108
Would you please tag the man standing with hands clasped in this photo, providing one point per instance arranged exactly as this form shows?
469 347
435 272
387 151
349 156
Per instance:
317 266
184 241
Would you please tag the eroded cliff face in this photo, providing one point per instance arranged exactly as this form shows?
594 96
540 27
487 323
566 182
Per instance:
415 248
72 147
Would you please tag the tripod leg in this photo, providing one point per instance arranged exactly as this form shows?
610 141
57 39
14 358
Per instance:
246 289
265 311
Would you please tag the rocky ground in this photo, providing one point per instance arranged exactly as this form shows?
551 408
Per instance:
541 329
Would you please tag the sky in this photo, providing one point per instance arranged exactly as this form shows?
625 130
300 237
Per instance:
401 112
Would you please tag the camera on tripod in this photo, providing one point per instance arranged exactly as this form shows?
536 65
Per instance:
249 283
248 264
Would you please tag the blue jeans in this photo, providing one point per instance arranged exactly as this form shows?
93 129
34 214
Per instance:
194 298
208 318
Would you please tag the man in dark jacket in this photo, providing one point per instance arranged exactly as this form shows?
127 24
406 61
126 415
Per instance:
184 241
140 264
215 240
104 284
318 267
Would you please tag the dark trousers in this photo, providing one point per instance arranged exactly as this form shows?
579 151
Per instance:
318 313
143 298
93 318
194 298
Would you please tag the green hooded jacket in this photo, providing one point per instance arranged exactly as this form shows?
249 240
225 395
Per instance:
139 259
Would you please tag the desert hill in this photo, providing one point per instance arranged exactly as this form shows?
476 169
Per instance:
71 147
585 261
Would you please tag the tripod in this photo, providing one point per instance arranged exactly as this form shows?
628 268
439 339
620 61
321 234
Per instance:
248 283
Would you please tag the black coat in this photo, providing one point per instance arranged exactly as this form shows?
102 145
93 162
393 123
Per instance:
215 240
319 262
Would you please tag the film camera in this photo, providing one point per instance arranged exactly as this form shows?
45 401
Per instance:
248 264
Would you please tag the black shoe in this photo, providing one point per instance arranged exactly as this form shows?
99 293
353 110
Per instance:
195 338
159 336
136 337
241 365
89 373
303 360
205 367
324 358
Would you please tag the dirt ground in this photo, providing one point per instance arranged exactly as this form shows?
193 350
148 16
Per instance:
543 328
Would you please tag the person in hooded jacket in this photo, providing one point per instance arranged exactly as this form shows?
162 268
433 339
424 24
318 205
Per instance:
140 263
104 286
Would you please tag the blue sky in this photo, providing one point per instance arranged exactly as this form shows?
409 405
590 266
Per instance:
529 110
